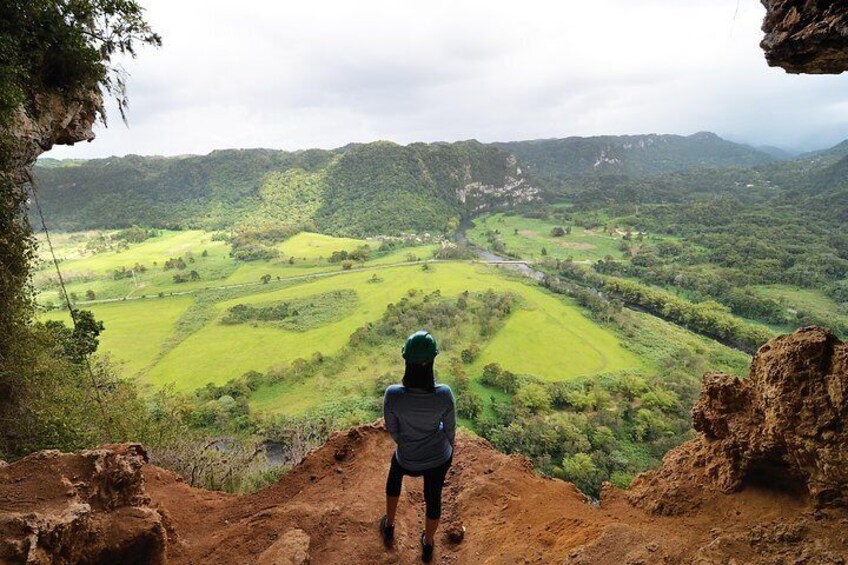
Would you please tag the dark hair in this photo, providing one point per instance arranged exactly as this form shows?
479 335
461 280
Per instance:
419 375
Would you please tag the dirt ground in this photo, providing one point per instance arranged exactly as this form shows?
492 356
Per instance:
328 507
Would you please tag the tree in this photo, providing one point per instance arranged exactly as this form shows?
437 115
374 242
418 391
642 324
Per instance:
558 232
533 398
544 251
53 51
347 265
470 353
266 278
194 276
469 405
89 294
491 374
80 341
580 470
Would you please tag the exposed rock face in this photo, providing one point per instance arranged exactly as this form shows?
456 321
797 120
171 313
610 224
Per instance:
806 36
783 427
291 549
54 120
81 508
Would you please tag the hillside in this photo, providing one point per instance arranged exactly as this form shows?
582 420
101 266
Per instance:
374 188
758 485
631 154
360 189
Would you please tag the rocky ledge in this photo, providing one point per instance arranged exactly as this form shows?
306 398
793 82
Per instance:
806 36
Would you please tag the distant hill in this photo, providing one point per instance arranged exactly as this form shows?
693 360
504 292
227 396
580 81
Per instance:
778 153
362 189
385 188
827 156
631 154
816 181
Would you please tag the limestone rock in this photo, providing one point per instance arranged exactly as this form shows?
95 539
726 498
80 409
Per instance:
291 549
89 507
782 426
54 120
806 36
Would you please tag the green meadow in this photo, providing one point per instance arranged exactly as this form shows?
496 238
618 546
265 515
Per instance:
814 301
521 346
182 335
526 237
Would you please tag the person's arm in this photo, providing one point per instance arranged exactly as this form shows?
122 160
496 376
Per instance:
449 419
392 423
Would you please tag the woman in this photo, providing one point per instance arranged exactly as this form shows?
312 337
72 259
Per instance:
420 416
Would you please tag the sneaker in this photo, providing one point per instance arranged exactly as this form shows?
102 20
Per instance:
388 532
426 550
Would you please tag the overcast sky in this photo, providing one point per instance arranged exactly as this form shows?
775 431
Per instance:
323 73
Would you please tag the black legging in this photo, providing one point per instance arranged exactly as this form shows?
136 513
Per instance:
434 480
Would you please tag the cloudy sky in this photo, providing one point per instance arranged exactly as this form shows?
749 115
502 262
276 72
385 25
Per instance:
323 73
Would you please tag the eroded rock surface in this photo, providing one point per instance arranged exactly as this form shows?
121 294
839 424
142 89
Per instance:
90 507
52 120
806 36
783 427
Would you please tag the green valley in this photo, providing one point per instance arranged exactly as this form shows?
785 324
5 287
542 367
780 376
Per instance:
578 288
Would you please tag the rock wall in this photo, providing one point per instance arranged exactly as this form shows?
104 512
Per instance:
806 36
91 507
52 120
783 427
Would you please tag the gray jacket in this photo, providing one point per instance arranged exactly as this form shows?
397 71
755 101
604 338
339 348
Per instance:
422 423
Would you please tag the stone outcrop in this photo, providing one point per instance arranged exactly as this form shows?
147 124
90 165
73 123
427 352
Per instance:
783 427
53 120
85 508
806 36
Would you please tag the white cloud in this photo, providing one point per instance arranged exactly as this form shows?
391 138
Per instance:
325 73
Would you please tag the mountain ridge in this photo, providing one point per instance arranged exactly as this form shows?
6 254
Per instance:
364 188
387 188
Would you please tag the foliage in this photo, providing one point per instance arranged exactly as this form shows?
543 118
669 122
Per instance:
67 46
299 314
556 159
48 49
417 310
708 318
373 189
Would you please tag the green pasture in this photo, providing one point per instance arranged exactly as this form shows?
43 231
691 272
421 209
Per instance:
84 270
308 245
813 301
157 249
253 271
134 329
533 235
217 352
180 340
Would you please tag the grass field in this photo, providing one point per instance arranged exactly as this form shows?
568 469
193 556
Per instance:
89 271
135 329
84 270
807 301
307 245
200 358
813 301
180 340
527 237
